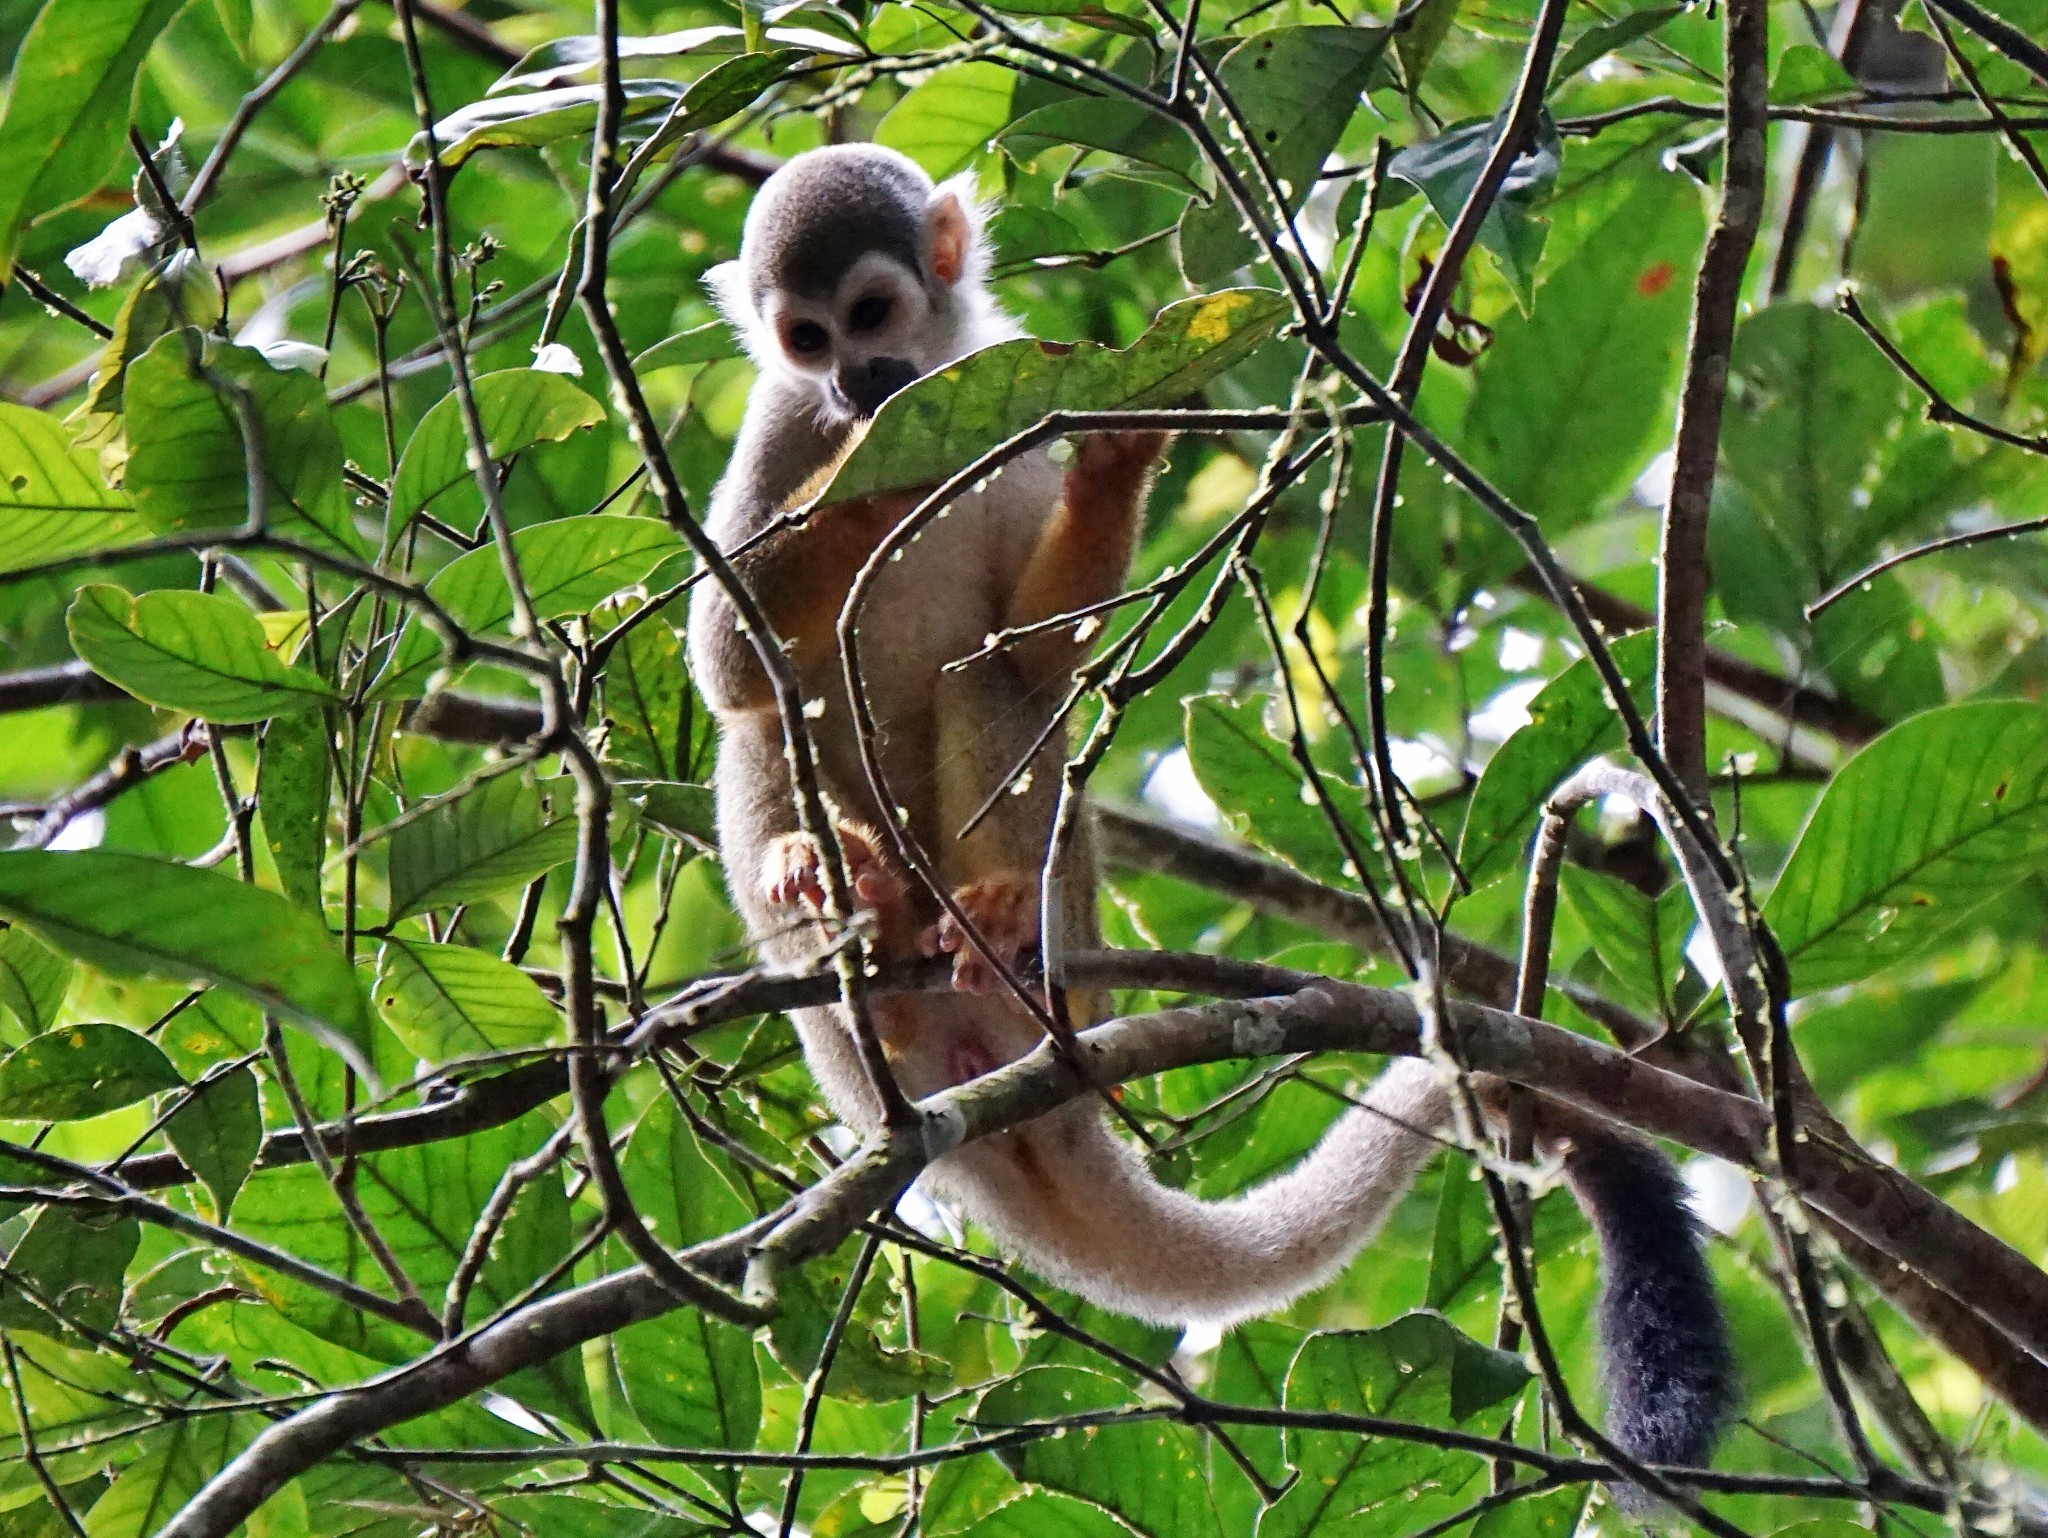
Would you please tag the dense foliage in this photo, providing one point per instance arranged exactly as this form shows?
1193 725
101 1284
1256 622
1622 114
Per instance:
305 835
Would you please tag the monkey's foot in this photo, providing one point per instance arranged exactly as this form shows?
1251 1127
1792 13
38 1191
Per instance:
1003 909
793 871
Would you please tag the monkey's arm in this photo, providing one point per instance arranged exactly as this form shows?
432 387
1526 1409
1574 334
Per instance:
1085 548
800 577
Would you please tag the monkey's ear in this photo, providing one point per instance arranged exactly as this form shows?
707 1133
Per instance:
733 298
953 221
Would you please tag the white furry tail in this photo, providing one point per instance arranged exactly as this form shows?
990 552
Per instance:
1078 1206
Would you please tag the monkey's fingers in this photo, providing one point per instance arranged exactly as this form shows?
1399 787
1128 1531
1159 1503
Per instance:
790 873
1003 909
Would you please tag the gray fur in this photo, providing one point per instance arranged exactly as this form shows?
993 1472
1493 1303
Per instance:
820 213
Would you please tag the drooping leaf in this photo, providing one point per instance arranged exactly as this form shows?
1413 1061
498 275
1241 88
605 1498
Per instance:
1570 721
1914 835
949 119
1295 89
128 913
202 653
68 1267
451 1001
566 59
947 420
53 499
67 114
700 344
571 565
187 463
1446 169
217 1132
1639 939
1603 38
33 979
1250 775
1125 128
292 777
500 835
530 119
78 1071
520 407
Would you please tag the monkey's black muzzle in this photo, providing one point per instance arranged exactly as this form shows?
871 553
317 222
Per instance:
865 386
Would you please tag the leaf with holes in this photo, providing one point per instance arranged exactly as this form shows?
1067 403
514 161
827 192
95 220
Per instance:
1913 837
53 500
292 782
450 1001
201 653
947 420
77 1071
520 407
501 834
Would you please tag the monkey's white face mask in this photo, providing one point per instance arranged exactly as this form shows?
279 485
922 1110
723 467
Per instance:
885 322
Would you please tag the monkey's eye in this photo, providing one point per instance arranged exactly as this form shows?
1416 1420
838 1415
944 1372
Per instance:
869 314
806 337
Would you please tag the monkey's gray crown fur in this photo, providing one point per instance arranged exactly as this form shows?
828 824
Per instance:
828 207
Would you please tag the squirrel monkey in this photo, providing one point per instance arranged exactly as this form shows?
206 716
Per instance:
855 276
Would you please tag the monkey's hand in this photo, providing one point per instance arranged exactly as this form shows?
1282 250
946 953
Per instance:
1003 908
1116 459
793 871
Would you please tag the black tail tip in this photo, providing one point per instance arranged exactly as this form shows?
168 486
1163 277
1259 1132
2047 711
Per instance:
1672 1385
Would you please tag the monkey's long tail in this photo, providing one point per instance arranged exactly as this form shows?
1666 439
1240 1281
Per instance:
1079 1207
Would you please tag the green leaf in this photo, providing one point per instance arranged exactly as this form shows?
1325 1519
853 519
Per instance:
292 775
127 913
566 59
949 119
1570 721
1153 1476
67 114
947 420
1639 939
1126 128
1247 771
683 811
1809 404
530 119
201 653
79 1071
1571 402
700 344
582 1515
646 695
520 407
1913 836
571 566
178 1462
501 834
1461 1250
450 1001
53 500
218 1132
1446 169
1296 89
1598 41
187 467
73 1258
236 18
33 978
1421 33
1420 1369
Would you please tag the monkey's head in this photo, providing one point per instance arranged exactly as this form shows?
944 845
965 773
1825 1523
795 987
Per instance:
856 274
